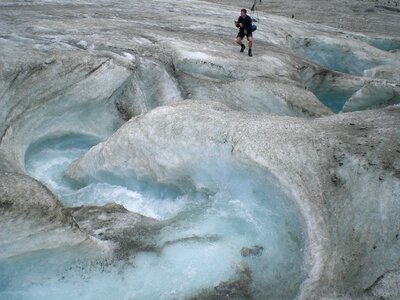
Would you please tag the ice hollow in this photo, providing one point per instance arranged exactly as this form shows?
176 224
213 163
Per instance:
343 92
187 161
342 55
228 206
211 206
332 88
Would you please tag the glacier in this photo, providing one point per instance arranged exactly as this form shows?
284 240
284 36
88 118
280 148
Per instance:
143 157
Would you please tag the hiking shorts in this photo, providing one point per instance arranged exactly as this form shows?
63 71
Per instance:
241 34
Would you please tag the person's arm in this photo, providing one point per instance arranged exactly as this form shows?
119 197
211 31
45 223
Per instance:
238 22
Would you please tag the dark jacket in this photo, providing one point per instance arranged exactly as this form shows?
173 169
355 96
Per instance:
246 24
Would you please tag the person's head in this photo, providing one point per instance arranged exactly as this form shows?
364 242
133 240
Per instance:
243 12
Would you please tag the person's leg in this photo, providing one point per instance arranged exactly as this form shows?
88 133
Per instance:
239 42
250 40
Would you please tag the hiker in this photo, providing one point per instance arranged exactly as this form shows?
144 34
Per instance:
245 29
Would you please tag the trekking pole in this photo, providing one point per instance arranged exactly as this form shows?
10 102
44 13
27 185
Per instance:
254 9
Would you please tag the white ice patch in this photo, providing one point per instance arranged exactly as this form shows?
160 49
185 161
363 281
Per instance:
129 56
83 44
195 55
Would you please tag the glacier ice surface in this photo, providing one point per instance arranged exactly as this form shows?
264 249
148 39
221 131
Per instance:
270 168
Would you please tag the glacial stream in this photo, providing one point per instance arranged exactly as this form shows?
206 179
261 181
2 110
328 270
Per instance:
241 236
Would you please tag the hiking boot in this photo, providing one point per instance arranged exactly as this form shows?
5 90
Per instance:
250 54
243 47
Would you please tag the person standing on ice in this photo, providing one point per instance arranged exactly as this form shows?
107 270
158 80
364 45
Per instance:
244 24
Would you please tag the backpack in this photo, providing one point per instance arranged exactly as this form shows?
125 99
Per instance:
253 27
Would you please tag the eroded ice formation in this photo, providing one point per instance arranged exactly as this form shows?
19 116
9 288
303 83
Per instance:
162 163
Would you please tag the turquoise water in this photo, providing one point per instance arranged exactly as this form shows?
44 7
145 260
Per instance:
334 99
198 248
